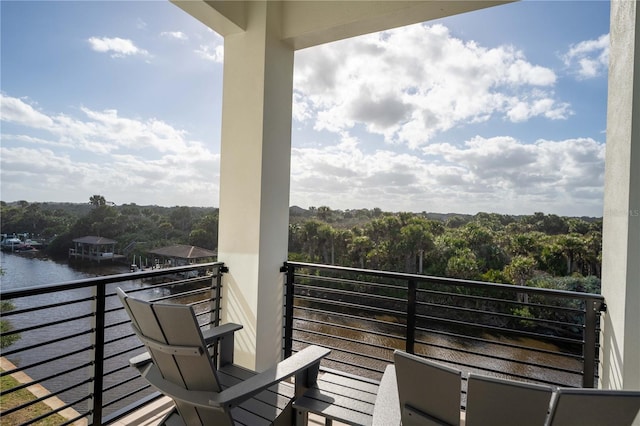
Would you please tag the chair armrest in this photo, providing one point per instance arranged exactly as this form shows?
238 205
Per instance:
219 332
386 410
225 335
307 359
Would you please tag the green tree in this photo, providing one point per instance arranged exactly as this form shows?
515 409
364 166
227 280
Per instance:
205 233
310 238
181 218
464 265
359 248
324 213
165 228
552 259
5 325
520 270
97 200
415 239
573 248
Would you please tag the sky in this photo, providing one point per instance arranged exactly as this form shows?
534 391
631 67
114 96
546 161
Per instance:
500 110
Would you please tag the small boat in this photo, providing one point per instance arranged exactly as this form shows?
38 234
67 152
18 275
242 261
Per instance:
25 248
11 244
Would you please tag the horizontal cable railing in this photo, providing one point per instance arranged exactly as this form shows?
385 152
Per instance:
533 334
73 341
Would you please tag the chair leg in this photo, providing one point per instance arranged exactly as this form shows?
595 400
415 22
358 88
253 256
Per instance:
302 417
286 416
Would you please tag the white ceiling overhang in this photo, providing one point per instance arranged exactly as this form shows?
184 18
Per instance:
307 23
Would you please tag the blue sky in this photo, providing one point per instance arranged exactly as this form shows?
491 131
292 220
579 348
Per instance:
500 110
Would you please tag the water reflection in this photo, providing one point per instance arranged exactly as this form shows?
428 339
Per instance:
363 345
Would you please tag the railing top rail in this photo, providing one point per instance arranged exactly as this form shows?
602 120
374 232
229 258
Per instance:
108 279
451 281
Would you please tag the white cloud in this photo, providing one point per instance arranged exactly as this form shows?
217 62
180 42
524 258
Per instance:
211 53
182 180
413 83
177 35
14 110
118 47
499 174
590 58
98 131
131 134
127 159
554 168
521 110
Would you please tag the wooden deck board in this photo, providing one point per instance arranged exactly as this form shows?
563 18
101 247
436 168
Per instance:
340 397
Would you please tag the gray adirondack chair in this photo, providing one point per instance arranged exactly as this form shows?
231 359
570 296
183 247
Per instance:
493 401
594 407
178 364
386 410
429 393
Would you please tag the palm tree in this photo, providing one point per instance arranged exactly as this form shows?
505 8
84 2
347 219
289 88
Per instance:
97 200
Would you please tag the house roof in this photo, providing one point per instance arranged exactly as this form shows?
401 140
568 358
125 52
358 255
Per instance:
90 239
183 252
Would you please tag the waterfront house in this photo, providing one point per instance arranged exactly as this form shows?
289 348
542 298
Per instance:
93 249
182 254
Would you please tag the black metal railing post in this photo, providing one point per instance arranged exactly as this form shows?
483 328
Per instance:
217 294
411 316
98 352
592 312
289 270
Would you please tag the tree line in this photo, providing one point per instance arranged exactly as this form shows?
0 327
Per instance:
539 249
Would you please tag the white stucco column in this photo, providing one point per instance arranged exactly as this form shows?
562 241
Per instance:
254 182
620 360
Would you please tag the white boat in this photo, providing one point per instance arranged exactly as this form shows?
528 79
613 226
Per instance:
11 244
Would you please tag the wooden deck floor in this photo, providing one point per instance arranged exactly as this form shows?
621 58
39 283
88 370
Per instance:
152 414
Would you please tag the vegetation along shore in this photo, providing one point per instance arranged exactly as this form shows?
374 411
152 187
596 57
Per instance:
543 250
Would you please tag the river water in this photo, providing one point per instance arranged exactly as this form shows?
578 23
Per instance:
28 270
22 271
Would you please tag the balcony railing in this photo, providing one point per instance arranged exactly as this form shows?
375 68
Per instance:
75 339
533 334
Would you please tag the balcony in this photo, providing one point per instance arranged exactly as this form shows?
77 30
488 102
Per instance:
75 340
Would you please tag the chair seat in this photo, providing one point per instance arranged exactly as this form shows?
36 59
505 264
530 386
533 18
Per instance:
263 407
339 396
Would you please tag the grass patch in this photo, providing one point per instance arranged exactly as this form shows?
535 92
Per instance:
20 397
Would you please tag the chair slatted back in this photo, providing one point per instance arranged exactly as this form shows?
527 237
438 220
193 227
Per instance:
173 338
492 401
586 407
429 392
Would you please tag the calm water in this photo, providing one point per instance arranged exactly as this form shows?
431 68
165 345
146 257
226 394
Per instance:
27 270
21 271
